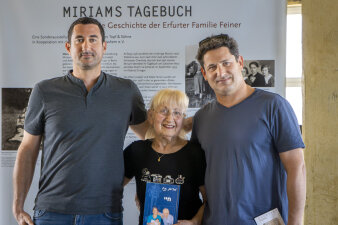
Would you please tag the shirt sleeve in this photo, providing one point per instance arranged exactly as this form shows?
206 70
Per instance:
193 137
34 118
149 218
129 170
139 113
285 127
171 219
200 164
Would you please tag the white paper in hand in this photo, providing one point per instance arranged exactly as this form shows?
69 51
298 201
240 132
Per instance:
272 217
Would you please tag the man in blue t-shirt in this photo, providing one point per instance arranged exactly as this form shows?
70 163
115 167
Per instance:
252 143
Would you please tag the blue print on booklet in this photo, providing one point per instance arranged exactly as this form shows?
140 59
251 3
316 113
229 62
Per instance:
161 204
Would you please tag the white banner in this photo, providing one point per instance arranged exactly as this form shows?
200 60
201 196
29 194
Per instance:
152 42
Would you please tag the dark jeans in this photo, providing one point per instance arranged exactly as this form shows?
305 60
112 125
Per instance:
43 217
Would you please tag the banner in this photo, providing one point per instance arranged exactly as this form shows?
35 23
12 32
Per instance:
152 42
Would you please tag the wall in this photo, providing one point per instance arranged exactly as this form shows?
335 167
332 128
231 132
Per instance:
320 62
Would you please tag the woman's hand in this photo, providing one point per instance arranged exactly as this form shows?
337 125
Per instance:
184 222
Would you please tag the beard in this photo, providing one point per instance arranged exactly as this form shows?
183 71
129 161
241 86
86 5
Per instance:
88 65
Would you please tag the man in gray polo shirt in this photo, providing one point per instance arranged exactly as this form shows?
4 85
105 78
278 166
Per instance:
83 118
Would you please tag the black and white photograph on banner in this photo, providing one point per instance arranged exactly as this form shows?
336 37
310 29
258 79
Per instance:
259 73
196 87
14 105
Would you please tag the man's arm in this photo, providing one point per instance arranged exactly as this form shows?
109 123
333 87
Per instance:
187 124
23 174
140 129
294 165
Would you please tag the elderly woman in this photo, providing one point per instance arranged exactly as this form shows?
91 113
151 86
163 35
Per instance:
166 153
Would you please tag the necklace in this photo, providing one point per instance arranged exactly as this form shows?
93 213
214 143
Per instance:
159 157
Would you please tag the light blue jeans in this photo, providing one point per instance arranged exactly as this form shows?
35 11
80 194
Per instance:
43 217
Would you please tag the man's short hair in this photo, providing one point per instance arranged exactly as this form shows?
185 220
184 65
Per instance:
255 63
165 209
85 20
214 42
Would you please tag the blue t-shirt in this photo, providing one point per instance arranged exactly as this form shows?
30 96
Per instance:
152 219
244 176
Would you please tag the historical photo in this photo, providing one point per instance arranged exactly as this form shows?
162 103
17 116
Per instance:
259 73
14 105
196 87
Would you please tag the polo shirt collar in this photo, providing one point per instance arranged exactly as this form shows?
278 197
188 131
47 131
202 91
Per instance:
81 83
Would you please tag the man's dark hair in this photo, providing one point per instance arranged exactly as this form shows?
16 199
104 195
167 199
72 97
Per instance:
214 42
255 63
85 20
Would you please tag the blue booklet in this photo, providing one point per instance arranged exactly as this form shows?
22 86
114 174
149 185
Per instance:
161 204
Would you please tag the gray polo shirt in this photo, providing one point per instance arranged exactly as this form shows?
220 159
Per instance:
83 135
